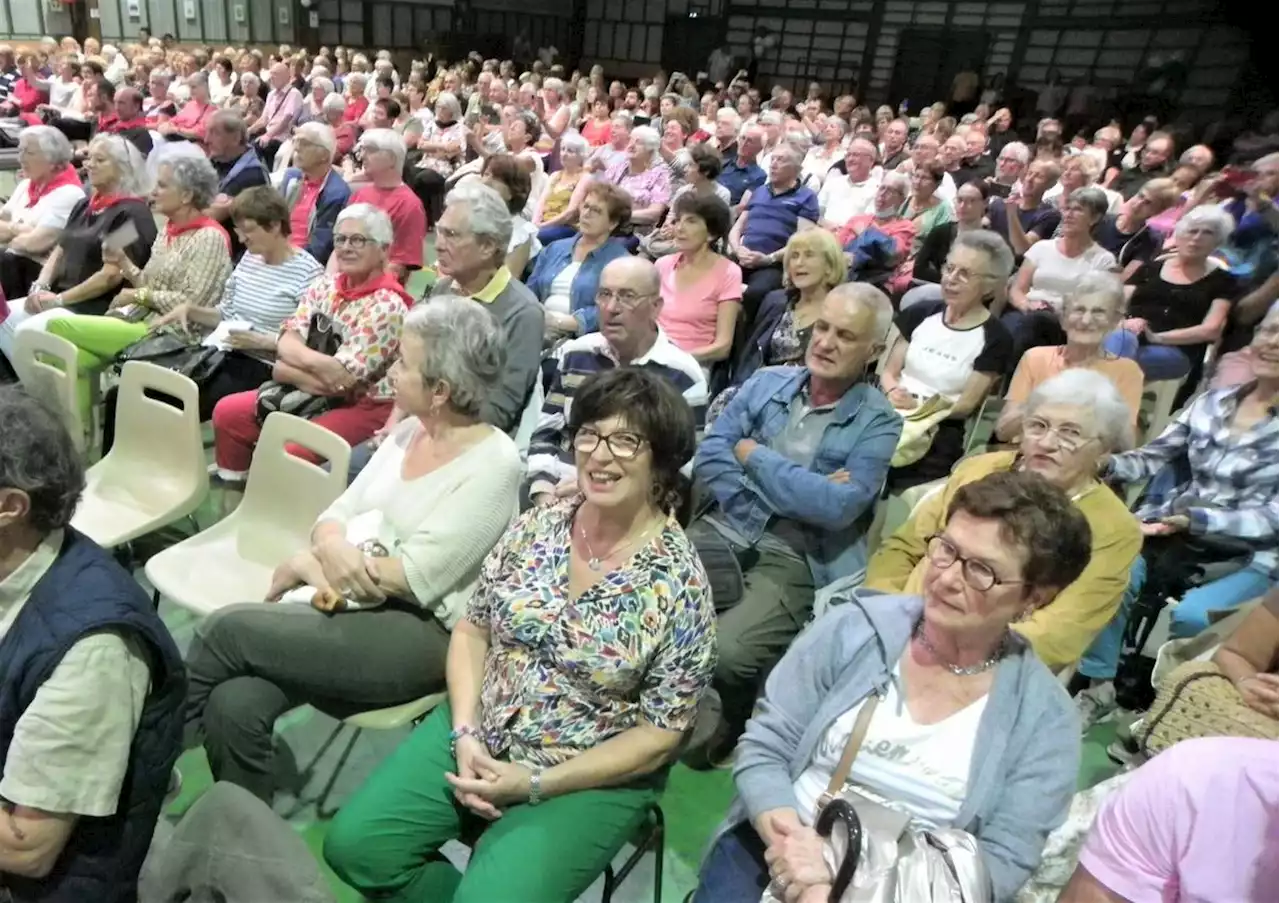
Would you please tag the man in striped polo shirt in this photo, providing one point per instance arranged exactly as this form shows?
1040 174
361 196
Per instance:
629 302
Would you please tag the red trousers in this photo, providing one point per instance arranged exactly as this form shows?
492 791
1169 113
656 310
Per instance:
236 428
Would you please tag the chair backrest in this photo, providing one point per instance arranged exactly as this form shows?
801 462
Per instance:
157 440
285 494
1157 404
529 418
46 365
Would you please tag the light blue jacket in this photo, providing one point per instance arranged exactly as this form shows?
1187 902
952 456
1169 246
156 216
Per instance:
1026 756
552 260
860 439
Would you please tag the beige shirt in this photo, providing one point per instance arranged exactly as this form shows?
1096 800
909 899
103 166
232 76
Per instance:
70 748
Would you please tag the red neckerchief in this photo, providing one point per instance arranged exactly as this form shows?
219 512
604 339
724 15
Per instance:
344 291
65 176
172 230
100 202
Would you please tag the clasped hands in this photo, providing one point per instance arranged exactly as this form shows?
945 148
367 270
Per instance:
484 784
336 569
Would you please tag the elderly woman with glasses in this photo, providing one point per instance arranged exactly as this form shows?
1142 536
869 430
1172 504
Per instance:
334 354
1091 311
363 614
573 676
34 217
1066 425
994 741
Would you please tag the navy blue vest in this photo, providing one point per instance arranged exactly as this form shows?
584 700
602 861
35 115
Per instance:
83 591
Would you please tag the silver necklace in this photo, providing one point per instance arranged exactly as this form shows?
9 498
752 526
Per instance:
596 562
958 670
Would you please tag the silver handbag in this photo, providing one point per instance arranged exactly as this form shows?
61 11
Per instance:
879 858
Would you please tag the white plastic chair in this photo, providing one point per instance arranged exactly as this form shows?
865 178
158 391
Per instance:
155 472
46 365
233 560
529 418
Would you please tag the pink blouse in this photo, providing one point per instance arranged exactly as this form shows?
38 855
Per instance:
689 317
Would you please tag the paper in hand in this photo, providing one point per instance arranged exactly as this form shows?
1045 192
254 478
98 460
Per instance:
121 237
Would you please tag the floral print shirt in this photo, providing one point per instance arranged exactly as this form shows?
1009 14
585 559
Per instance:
370 328
563 675
653 186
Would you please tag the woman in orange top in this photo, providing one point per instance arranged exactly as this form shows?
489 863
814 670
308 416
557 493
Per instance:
1090 313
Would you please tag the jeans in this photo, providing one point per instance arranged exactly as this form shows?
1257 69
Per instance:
734 870
1158 362
1100 660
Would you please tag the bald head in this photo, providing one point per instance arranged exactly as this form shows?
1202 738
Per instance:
1199 156
630 300
128 103
279 76
636 273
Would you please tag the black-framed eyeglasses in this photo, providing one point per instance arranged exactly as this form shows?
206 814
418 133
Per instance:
977 574
1070 436
355 242
622 444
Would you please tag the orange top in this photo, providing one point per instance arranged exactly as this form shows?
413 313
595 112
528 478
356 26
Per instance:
1040 364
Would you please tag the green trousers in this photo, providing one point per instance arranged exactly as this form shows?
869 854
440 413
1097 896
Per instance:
386 840
98 340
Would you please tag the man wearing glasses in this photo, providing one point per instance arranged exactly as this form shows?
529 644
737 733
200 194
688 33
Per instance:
792 469
629 302
1068 424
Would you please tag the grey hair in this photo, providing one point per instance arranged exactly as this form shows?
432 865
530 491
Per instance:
449 101
772 117
388 140
1089 388
194 174
1272 159
730 114
787 148
360 78
487 213
1097 284
1092 199
991 244
319 133
647 137
324 82
1209 217
50 143
334 103
575 143
555 84
896 181
1088 165
38 458
1018 149
465 349
623 116
246 77
198 78
231 121
128 161
375 223
865 295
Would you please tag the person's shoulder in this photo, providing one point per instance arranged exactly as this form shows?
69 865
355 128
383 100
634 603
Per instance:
994 330
591 343
975 467
500 450
520 295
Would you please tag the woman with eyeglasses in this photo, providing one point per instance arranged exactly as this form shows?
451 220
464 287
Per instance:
969 729
573 675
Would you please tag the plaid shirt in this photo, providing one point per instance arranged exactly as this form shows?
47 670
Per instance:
1231 489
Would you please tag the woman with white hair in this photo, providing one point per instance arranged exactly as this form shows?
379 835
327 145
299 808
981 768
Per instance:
558 205
1091 311
313 104
367 607
643 176
556 110
1068 424
75 278
250 102
345 132
33 218
820 158
1179 304
440 151
334 355
356 95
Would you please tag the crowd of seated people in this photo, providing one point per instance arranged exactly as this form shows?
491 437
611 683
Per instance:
676 350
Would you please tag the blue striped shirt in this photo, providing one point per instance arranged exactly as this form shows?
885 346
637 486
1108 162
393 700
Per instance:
266 295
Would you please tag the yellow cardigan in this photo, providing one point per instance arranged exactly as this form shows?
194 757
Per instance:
1062 630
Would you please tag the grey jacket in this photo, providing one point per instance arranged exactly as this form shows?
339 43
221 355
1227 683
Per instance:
1025 762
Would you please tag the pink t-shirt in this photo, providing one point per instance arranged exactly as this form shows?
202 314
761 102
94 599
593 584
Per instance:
408 219
1196 824
689 317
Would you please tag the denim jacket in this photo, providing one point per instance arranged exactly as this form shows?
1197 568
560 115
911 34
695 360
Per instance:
582 294
860 439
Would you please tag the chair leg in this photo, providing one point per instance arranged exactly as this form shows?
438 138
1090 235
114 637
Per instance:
322 812
659 851
311 767
606 896
155 599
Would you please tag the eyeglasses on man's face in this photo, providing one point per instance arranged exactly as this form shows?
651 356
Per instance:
977 574
625 298
622 444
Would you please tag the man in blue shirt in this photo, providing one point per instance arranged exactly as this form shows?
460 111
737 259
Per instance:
774 212
741 174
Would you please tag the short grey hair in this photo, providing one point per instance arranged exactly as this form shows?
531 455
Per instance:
647 136
230 121
730 115
334 103
993 246
574 143
554 84
48 142
1076 386
1272 159
39 458
1097 284
388 140
867 296
1088 164
1017 149
465 349
375 223
318 133
128 161
449 101
198 78
1206 217
358 78
897 181
1092 199
194 174
487 213
322 82
623 116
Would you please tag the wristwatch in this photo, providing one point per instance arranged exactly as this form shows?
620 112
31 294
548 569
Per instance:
535 788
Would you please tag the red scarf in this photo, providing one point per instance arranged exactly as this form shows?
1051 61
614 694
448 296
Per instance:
116 125
344 291
66 176
173 230
100 202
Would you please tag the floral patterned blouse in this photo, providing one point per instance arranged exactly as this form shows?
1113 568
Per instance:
454 133
563 675
370 328
653 186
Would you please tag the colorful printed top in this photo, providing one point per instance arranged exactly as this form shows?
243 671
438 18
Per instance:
370 328
563 675
653 186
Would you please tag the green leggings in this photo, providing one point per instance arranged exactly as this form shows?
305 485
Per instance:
386 840
98 340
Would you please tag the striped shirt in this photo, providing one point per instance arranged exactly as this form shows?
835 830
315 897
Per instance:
1232 484
550 454
265 295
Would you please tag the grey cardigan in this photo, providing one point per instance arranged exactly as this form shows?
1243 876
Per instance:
1025 761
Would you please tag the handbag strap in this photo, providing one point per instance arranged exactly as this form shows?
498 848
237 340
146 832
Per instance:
856 736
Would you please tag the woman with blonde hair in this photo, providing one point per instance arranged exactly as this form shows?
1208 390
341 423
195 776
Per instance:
1080 171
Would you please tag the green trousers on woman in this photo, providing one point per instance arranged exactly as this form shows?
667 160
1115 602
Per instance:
98 340
386 840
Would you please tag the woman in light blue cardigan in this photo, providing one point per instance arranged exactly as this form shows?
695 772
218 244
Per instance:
972 731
